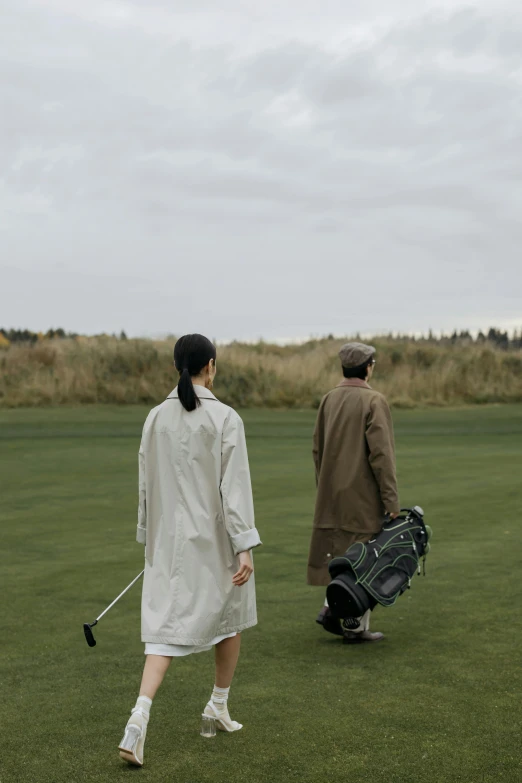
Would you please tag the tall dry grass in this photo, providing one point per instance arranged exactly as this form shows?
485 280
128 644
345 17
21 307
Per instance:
106 370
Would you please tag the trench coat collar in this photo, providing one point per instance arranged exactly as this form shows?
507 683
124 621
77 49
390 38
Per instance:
202 392
355 382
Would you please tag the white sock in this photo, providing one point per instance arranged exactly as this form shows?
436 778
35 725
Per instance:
145 704
220 697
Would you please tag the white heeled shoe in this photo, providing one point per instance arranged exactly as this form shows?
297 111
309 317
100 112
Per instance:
221 716
132 745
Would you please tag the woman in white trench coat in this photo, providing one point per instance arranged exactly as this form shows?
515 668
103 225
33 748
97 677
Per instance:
196 519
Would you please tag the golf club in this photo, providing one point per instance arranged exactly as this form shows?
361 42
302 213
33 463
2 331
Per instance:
87 627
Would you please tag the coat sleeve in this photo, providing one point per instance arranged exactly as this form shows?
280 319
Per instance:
141 533
381 444
318 441
236 488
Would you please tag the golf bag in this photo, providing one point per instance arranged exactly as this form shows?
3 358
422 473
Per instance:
380 570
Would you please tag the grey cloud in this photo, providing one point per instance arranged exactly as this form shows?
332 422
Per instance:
383 146
464 33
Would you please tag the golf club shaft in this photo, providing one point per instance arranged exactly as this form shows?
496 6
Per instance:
120 595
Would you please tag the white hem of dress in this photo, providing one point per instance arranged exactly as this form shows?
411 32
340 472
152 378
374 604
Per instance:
183 641
180 650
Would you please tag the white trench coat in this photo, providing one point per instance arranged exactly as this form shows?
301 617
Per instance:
195 515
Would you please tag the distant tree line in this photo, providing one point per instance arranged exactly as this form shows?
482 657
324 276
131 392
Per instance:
27 336
497 337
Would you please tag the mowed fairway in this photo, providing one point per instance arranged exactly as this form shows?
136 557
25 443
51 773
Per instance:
437 701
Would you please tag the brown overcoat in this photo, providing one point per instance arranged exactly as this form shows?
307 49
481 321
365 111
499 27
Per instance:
354 455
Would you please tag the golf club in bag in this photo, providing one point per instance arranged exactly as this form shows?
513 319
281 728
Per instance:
87 627
380 570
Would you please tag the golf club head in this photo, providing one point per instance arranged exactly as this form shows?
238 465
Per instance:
91 641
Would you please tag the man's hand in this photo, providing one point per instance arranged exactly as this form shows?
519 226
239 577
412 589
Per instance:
246 569
394 515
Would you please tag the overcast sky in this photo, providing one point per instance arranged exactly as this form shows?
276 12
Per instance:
245 168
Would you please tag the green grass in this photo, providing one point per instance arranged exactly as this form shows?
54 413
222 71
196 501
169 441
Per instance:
436 702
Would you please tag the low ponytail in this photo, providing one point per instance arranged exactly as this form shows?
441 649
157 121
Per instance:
188 397
191 354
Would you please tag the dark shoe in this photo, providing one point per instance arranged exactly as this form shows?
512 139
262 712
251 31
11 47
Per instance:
364 636
328 622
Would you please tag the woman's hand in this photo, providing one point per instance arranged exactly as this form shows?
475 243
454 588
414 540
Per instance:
246 569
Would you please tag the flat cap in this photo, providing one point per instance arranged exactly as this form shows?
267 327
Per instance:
354 354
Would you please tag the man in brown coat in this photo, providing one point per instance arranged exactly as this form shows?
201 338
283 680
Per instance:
354 455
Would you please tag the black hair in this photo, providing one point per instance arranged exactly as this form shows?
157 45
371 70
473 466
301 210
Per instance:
358 372
191 353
